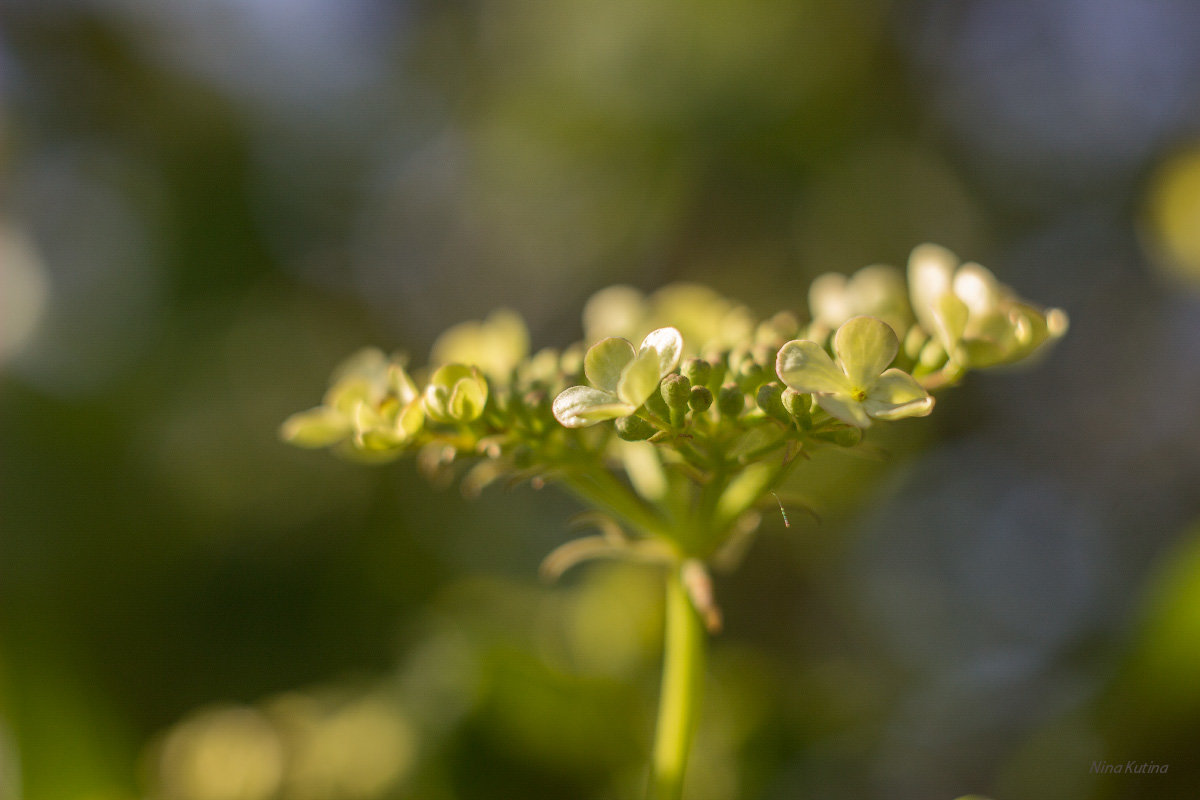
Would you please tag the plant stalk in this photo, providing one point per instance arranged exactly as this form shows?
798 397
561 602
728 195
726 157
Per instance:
683 671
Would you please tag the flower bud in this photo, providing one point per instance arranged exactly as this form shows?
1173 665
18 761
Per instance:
698 371
731 401
716 378
676 390
634 429
658 405
753 375
700 399
768 399
797 404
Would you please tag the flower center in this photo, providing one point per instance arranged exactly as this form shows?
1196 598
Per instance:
859 395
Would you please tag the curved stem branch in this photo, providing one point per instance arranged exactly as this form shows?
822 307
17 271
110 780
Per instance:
683 670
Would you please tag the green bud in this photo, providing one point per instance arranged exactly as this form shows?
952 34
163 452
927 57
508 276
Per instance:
769 400
676 389
797 404
717 378
753 375
634 429
658 405
700 399
698 371
731 401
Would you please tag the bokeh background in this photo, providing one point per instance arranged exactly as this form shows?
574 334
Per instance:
206 203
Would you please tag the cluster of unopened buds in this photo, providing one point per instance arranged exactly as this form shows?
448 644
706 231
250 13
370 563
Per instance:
676 441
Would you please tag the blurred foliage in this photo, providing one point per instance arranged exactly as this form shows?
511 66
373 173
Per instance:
204 205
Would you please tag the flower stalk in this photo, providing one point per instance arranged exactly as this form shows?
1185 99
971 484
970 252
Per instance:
684 649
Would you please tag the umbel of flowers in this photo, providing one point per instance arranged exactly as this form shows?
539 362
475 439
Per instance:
678 416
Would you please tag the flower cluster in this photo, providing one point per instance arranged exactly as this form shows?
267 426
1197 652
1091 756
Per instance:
676 440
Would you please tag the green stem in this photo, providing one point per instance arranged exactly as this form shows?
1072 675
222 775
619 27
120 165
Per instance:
683 670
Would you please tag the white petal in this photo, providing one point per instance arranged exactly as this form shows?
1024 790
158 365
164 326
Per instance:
318 427
865 346
950 316
806 367
845 409
581 406
976 286
605 361
828 299
641 378
930 275
667 344
896 395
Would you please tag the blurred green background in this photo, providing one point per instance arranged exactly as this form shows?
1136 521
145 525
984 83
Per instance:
206 204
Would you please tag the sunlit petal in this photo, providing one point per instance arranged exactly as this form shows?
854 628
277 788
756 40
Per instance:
806 367
865 346
581 406
667 344
844 408
605 361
